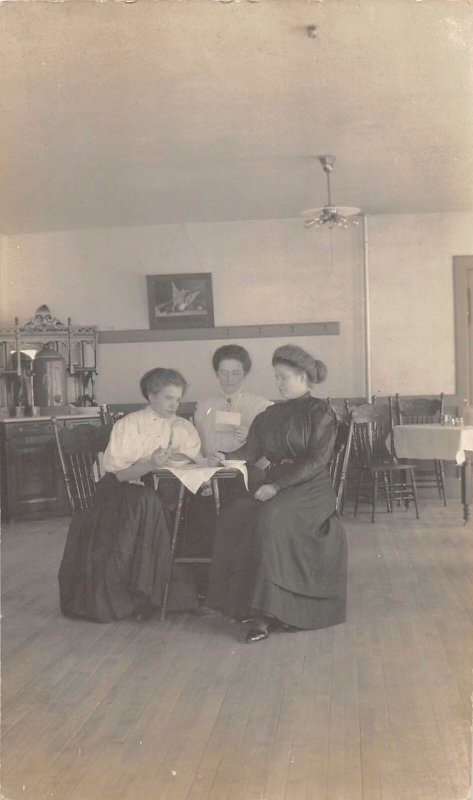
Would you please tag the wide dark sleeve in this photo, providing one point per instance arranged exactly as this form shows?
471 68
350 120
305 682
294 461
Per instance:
323 428
252 450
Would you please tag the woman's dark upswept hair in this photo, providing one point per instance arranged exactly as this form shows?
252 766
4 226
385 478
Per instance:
294 356
234 351
156 379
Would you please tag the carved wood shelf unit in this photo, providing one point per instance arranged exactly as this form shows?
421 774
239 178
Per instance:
77 345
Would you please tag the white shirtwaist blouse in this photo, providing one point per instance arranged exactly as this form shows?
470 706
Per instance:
139 434
245 403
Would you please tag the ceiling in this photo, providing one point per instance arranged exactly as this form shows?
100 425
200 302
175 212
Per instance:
172 111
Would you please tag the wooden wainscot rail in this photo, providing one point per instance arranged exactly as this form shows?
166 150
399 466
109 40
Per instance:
222 332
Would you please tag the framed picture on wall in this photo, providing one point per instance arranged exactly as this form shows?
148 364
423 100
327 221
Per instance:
182 300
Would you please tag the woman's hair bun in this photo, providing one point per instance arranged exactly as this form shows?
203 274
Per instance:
295 356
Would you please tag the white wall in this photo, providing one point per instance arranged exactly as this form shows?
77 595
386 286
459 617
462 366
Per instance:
263 272
413 348
3 293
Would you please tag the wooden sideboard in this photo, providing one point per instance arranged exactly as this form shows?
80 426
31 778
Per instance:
32 485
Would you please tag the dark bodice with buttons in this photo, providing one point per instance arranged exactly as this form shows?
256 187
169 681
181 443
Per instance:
297 438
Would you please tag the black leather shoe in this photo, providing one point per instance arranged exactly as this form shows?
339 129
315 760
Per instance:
257 635
288 628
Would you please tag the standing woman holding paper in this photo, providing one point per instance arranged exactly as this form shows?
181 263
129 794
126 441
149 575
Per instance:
223 422
224 419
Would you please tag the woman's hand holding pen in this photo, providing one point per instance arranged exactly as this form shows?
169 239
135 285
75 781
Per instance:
215 460
159 457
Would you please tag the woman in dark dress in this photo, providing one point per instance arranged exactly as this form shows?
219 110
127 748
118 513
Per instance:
117 556
280 556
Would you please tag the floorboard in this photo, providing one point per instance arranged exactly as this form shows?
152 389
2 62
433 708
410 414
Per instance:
376 709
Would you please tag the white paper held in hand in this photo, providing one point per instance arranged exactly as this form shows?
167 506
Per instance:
226 420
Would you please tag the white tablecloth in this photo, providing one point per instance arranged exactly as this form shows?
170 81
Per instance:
193 477
447 442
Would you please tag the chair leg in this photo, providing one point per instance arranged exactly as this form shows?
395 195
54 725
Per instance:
441 480
341 495
177 522
216 494
374 495
405 474
387 490
357 492
414 489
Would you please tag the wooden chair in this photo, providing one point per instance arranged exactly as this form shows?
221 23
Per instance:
424 411
338 465
78 450
377 468
351 404
339 408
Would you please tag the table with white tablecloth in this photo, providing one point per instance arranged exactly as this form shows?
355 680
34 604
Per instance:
191 477
444 442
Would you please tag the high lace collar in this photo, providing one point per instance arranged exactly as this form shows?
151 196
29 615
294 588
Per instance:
159 416
232 396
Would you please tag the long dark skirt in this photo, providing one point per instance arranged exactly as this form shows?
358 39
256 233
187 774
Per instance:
117 554
286 557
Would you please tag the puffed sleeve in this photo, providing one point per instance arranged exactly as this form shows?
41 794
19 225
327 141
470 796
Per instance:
323 428
124 447
199 414
185 439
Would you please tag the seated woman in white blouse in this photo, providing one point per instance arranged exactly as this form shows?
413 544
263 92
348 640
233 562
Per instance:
117 555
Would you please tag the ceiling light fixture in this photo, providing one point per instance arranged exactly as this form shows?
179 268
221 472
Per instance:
330 214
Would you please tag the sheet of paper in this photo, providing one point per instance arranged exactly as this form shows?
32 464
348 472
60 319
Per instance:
226 420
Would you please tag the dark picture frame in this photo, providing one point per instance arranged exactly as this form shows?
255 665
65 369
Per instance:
182 300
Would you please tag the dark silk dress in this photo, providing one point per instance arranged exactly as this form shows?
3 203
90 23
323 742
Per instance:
285 557
117 555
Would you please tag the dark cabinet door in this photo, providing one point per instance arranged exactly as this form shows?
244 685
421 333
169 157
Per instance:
34 481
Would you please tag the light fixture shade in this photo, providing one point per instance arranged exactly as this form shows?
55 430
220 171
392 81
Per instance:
345 211
330 215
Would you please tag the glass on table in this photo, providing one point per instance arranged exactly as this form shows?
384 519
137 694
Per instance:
449 419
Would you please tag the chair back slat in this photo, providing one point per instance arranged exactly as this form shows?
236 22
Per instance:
362 443
372 427
78 450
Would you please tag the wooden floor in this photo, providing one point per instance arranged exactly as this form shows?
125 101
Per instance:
378 708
